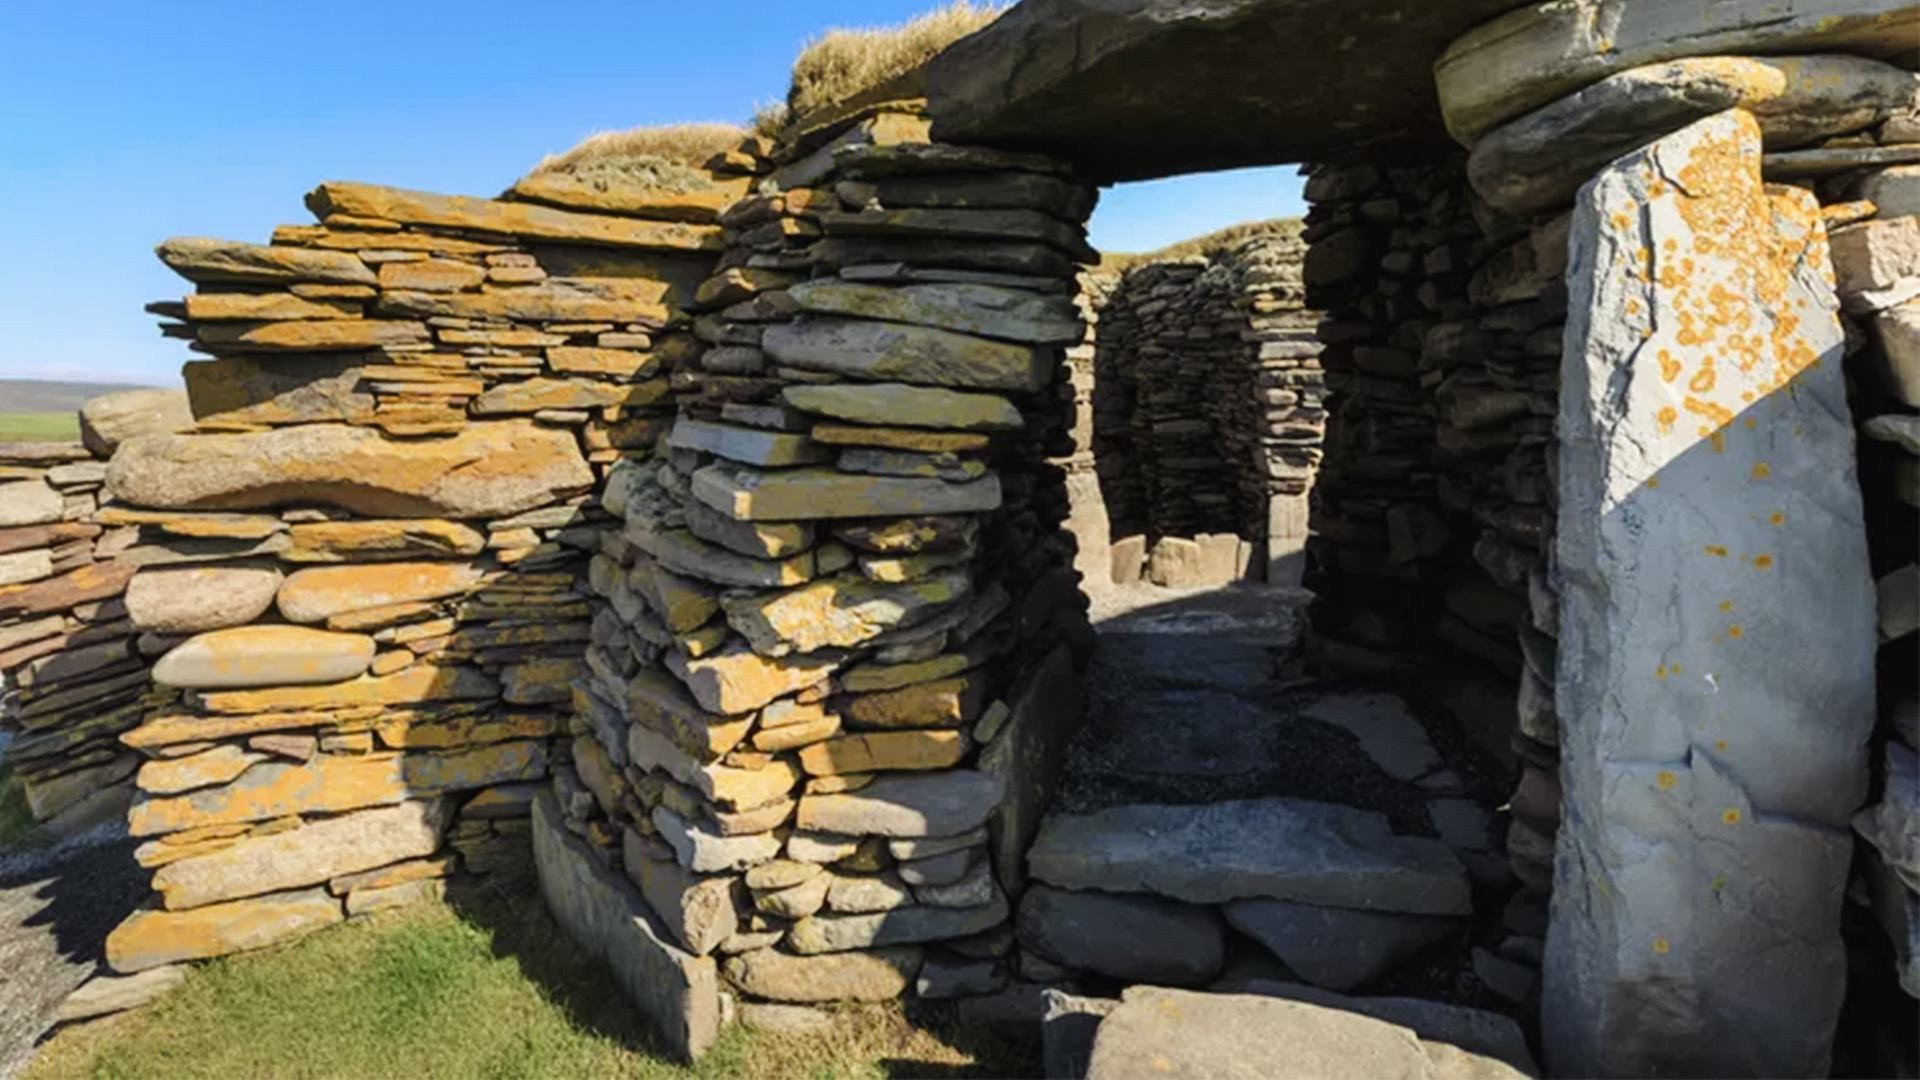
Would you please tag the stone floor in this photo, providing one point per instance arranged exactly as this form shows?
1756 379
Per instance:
1197 697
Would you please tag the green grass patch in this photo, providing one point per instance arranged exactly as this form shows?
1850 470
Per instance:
16 820
491 988
39 427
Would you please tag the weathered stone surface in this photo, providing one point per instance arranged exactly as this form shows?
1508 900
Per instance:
1111 88
29 502
335 783
201 259
931 804
701 205
170 776
831 933
1027 755
1544 51
1136 938
1538 161
704 850
1180 1033
737 680
735 789
960 224
915 439
840 612
811 494
377 541
333 335
512 219
1337 948
429 275
187 600
415 684
868 678
96 582
637 300
884 750
679 993
318 593
1687 596
759 540
751 446
23 566
151 938
307 855
104 995
698 911
1897 364
111 419
681 551
910 354
873 975
248 656
487 470
1476 1031
943 703
1894 192
900 405
625 364
661 702
247 391
536 395
1877 263
988 311
1286 849
1387 730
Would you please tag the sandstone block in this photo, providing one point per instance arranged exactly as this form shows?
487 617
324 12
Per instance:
732 788
929 804
1877 263
839 612
317 593
751 446
187 600
200 259
1286 849
679 993
1134 938
1897 365
832 932
940 704
756 539
737 680
420 683
487 470
29 502
890 352
430 275
377 541
661 702
900 405
150 938
872 975
336 335
539 394
698 911
704 850
104 995
699 205
512 219
248 390
810 494
308 855
111 419
681 551
1338 948
886 750
248 656
920 440
170 776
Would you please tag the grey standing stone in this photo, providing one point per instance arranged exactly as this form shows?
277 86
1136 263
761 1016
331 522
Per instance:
1286 849
1715 675
1179 1033
679 993
1337 948
1136 938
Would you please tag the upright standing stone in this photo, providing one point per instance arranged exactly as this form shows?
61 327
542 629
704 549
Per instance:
1716 659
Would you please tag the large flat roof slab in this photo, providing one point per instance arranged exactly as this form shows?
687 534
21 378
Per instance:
1135 89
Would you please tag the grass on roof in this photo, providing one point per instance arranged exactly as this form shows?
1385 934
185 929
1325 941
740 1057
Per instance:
843 63
668 157
489 988
1218 242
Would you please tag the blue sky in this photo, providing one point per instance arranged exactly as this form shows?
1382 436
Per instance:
129 121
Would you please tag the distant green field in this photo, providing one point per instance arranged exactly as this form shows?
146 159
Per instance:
39 427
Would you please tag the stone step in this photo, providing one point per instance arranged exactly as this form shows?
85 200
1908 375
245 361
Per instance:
1283 849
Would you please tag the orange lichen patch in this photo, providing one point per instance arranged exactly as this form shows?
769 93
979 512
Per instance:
1669 367
1653 481
1761 562
1662 946
1761 470
1750 422
1736 631
1731 815
1666 417
1660 673
1716 550
1720 744
1665 780
1777 519
1726 605
1675 668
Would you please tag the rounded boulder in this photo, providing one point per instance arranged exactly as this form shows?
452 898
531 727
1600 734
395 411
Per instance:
190 599
256 656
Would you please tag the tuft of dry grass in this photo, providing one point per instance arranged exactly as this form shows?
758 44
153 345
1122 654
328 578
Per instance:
1218 242
843 63
670 156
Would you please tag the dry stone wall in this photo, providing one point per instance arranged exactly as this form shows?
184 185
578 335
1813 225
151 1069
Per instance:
834 647
72 673
1207 414
361 574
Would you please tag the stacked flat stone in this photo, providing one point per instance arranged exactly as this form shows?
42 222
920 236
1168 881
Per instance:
71 676
1545 105
826 638
364 568
1874 214
1207 406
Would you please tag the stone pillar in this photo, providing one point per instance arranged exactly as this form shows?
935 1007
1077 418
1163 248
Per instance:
1715 677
